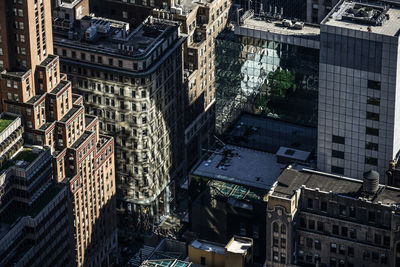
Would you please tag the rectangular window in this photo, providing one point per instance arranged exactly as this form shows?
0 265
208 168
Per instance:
344 231
333 247
372 131
335 229
374 85
371 161
353 233
337 170
350 251
337 154
324 206
372 116
375 101
371 146
320 226
338 139
310 203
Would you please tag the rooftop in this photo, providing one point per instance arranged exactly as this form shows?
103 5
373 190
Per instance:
114 37
241 166
208 246
5 121
23 158
278 27
268 134
239 245
377 17
165 263
291 180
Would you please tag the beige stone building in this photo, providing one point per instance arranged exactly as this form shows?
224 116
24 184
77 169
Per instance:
82 160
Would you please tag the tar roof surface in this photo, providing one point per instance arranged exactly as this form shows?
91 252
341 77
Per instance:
291 180
243 166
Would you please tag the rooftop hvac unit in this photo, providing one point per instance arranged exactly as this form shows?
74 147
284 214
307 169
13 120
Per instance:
287 23
90 33
299 25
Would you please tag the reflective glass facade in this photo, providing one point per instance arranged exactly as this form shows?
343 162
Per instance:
266 77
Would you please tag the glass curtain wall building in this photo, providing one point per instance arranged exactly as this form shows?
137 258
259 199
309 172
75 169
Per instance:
265 76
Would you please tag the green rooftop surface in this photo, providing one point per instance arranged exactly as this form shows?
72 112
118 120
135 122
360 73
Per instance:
5 121
27 155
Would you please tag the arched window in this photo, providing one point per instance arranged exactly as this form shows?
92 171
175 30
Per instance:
283 229
275 227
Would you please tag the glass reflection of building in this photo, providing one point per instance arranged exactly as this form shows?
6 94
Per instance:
273 78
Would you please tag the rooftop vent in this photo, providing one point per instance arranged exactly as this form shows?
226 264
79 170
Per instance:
371 182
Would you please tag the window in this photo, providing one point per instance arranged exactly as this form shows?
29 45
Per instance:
283 243
373 101
372 131
324 206
365 254
371 216
353 233
317 244
311 224
350 251
344 231
338 139
120 63
333 247
275 227
342 210
310 203
303 222
378 239
283 229
202 260
371 146
342 249
386 241
371 161
125 16
275 242
337 154
309 242
337 170
372 116
374 85
352 211
335 229
275 256
383 258
320 226
332 262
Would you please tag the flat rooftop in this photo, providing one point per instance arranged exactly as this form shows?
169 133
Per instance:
5 121
166 263
208 246
276 26
241 166
23 158
291 180
374 16
268 134
238 245
110 36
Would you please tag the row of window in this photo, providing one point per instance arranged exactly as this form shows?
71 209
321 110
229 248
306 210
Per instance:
346 211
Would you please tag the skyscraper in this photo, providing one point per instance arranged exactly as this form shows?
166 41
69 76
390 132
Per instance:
358 109
54 119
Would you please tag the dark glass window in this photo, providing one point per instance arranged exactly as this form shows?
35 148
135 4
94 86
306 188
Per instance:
374 85
373 101
371 161
337 154
372 131
372 116
337 170
338 139
371 146
335 229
